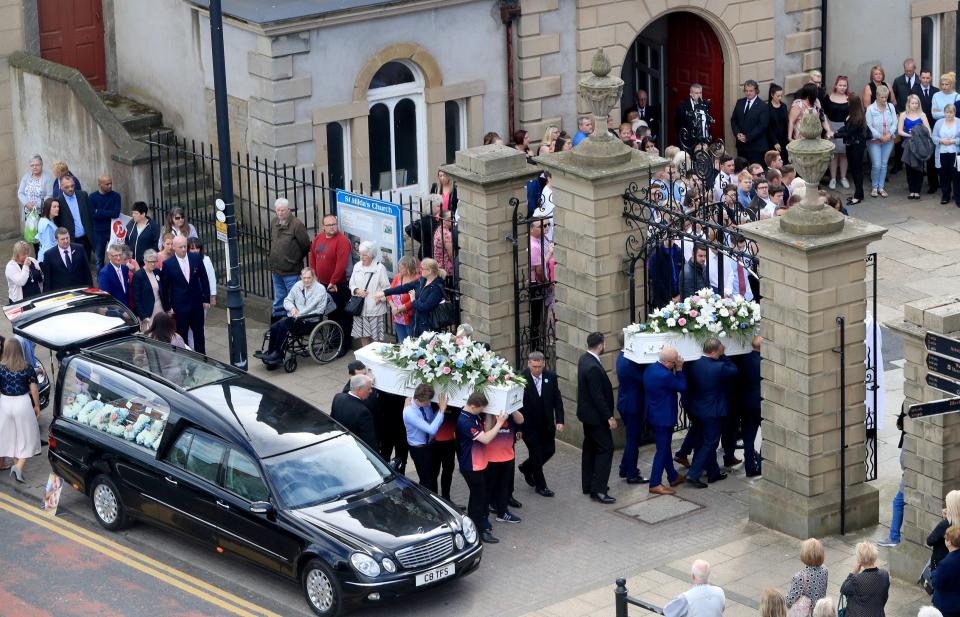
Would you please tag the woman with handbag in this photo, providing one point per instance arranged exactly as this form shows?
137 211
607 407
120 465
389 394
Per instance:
427 294
23 274
401 305
369 278
867 588
810 583
951 516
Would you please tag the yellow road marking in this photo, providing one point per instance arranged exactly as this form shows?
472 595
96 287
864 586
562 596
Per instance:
201 589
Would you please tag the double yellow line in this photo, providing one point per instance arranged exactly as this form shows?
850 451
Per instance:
151 567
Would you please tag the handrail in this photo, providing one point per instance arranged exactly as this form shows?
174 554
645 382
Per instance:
624 601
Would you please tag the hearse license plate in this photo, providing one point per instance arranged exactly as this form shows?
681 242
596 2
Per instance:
432 576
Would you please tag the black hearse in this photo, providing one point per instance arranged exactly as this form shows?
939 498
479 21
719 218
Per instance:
159 434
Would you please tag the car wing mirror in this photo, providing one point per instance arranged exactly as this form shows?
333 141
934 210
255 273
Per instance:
261 507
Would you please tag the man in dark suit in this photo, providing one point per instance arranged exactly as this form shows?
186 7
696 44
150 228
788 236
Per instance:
925 91
708 381
662 383
648 113
748 387
185 291
350 410
543 417
595 411
749 124
114 276
904 86
692 118
76 214
65 265
630 406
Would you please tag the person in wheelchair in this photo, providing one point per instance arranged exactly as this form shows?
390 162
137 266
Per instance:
306 299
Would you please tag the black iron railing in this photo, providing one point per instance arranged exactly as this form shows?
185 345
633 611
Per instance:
624 601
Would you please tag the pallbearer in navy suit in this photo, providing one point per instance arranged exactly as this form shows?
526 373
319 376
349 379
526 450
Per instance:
709 380
749 401
630 405
186 292
114 276
662 383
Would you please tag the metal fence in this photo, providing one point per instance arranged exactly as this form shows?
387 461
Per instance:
184 175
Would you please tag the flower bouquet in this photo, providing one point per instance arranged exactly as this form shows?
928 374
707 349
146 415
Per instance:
687 324
454 365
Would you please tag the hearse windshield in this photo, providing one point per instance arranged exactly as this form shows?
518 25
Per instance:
175 365
330 470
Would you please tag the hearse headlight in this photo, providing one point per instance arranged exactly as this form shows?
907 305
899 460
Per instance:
365 564
469 529
388 565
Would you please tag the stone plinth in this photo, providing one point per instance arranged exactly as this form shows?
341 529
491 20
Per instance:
589 234
931 446
807 283
487 178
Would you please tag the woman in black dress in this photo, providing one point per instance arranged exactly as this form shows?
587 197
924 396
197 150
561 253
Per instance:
777 127
855 135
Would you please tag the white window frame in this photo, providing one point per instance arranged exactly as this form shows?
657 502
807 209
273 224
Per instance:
935 43
390 96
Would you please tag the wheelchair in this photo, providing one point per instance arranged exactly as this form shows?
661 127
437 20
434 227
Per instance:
313 336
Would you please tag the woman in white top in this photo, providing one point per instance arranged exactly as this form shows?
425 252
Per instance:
546 207
178 226
23 274
946 134
369 278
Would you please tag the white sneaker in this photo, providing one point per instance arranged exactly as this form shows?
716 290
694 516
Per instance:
833 183
873 193
844 183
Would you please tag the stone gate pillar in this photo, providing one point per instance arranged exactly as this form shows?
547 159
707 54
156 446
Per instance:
813 271
487 178
931 447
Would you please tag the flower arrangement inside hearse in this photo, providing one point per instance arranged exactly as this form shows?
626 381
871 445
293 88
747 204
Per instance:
132 421
455 365
686 324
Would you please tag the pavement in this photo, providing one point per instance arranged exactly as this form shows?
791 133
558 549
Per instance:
563 558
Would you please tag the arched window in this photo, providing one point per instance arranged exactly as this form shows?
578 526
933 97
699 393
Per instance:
397 124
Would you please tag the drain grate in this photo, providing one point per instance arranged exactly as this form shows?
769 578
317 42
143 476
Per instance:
658 509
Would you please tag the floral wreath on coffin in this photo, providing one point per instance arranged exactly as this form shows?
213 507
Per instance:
703 315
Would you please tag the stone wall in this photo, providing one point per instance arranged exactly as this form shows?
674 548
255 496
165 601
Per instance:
931 447
11 168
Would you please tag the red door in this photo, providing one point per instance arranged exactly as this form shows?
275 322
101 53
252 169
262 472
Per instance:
71 33
694 55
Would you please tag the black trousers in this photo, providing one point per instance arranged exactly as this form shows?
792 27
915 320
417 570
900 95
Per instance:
278 334
855 154
731 433
444 462
933 174
498 478
393 438
597 458
341 296
949 177
192 320
477 504
426 467
541 446
914 179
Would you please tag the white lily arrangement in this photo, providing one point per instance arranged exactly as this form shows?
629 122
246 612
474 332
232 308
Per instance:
703 315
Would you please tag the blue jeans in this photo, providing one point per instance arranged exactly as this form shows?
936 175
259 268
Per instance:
705 457
662 460
879 155
282 284
402 331
896 521
632 427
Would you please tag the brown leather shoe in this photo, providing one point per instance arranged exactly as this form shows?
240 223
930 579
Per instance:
680 479
682 460
662 490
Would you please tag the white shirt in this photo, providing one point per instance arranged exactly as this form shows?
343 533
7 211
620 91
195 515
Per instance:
731 286
698 601
184 267
123 283
595 356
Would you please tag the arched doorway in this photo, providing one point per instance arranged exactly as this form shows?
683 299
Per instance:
670 54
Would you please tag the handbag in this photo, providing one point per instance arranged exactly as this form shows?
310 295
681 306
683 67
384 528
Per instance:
842 606
444 316
355 303
926 577
31 226
804 605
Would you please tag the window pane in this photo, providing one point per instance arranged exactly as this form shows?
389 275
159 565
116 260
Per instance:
204 458
405 141
178 453
242 477
451 111
392 74
335 162
379 147
926 43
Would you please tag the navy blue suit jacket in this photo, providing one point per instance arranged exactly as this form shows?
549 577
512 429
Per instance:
56 276
708 383
143 299
107 281
630 388
748 384
661 386
180 295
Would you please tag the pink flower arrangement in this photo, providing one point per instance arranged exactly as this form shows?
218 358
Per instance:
491 379
446 370
421 362
694 313
681 322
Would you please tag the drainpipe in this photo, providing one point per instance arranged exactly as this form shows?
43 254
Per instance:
510 12
823 40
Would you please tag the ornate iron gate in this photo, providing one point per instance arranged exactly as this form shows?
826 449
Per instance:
535 321
872 382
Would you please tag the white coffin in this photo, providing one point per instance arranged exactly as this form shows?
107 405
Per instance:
389 378
644 347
